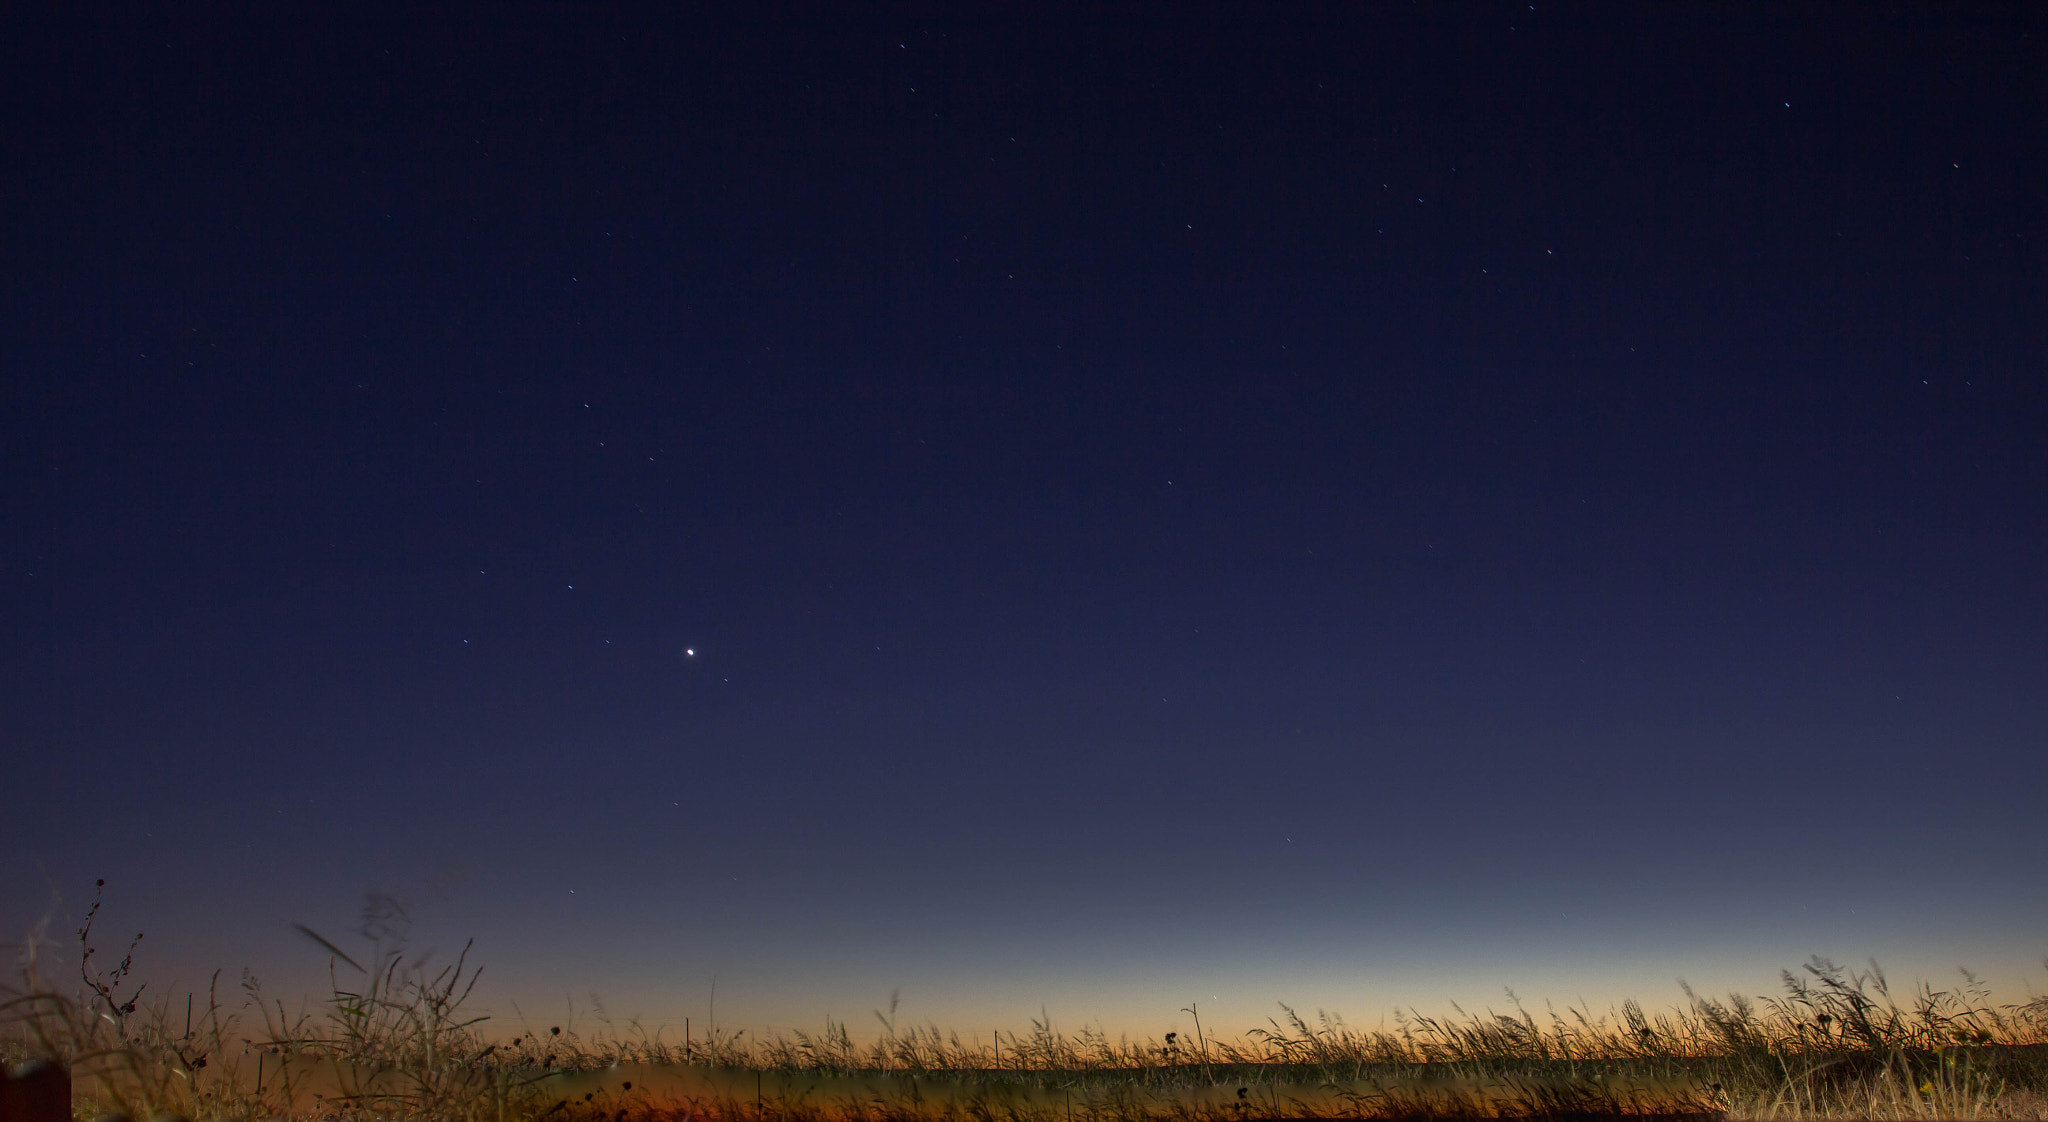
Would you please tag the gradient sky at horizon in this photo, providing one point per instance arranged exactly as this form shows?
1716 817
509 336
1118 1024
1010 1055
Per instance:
1358 508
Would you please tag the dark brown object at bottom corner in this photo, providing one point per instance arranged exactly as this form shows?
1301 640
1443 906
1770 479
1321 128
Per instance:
37 1091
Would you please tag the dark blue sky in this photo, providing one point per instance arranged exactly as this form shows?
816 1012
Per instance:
1341 506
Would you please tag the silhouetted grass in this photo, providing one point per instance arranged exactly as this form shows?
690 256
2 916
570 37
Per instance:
391 1039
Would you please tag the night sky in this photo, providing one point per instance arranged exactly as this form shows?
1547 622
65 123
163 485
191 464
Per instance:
1358 505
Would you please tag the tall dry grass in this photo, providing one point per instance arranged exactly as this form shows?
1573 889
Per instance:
392 1038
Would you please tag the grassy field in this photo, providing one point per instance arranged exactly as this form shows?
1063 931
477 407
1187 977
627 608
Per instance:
393 1039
